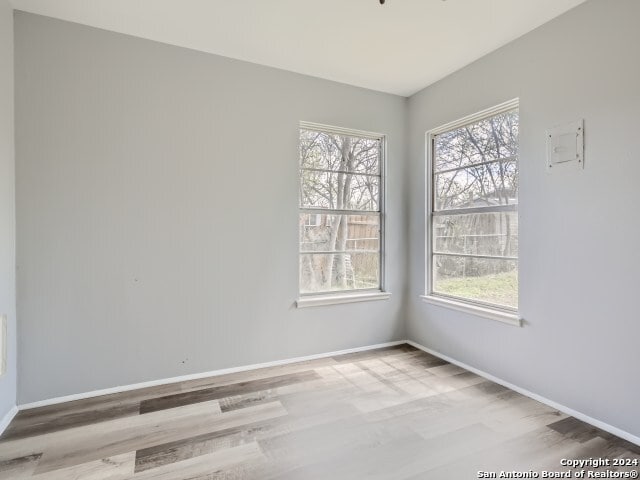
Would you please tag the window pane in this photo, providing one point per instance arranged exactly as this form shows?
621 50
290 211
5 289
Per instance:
363 192
366 269
328 151
486 280
331 233
480 186
318 189
324 272
494 233
489 139
339 172
340 191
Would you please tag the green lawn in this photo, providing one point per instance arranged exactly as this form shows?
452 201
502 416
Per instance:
501 288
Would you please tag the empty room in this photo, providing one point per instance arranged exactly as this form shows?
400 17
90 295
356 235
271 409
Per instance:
310 240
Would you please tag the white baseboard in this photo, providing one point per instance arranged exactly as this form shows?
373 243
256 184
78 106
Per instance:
196 376
6 420
569 411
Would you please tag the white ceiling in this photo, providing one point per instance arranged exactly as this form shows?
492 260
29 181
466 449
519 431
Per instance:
399 47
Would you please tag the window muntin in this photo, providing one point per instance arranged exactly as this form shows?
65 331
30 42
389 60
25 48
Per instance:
473 219
341 182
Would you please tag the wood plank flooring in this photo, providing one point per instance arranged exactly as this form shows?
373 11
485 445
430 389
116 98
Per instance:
393 413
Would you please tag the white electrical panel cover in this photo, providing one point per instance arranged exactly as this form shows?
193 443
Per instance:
565 147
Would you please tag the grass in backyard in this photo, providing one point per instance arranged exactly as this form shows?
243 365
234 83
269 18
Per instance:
501 288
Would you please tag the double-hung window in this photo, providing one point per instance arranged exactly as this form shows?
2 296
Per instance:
472 242
340 217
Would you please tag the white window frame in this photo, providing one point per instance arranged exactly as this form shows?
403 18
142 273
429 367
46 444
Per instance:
483 309
354 295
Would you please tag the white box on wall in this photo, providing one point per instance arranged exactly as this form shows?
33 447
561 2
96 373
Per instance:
565 147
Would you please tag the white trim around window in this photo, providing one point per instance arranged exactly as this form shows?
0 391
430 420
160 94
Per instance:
479 308
356 293
322 300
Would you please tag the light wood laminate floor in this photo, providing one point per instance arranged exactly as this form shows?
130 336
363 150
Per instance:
393 413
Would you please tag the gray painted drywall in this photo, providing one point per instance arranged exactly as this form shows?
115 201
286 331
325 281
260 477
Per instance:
134 230
7 207
157 211
579 235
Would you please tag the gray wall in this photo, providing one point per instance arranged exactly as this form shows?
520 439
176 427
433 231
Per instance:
7 207
579 233
157 211
157 217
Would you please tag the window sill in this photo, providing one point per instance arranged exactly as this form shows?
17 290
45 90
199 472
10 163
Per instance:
335 299
485 312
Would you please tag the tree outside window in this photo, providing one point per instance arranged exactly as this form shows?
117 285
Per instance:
340 221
